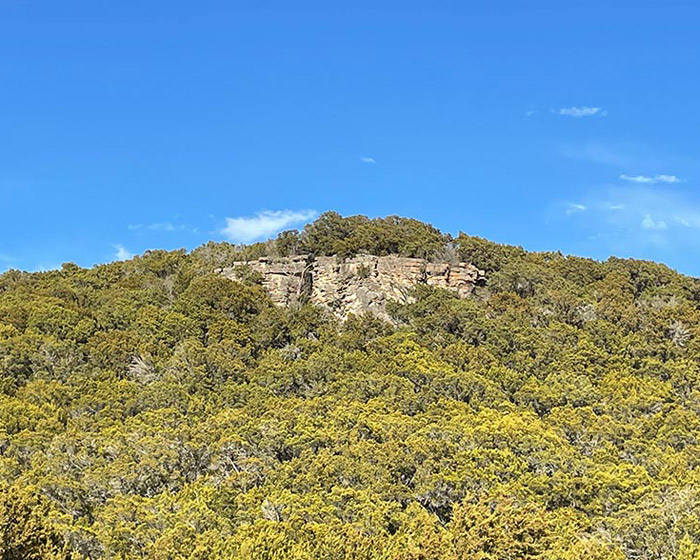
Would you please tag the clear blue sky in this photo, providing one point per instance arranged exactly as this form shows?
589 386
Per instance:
557 125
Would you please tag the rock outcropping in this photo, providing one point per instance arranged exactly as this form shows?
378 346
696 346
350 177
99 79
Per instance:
357 284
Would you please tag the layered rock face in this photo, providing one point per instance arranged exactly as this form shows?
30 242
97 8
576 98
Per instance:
357 284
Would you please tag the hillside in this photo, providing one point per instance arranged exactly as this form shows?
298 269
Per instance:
168 407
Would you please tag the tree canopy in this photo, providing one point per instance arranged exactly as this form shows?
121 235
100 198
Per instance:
154 409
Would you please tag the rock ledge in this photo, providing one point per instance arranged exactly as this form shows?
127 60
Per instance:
357 284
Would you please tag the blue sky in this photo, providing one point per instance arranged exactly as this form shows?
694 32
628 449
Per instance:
129 125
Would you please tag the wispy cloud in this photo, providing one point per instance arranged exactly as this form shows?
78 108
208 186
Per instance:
602 154
649 223
121 254
165 227
44 267
159 226
573 208
264 224
620 155
584 111
650 180
631 218
6 261
365 159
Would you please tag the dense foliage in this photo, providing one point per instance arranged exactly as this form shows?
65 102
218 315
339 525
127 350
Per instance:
153 409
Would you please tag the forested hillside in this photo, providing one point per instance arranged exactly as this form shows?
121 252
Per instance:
153 409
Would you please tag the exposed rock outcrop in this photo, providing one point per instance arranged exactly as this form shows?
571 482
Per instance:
357 284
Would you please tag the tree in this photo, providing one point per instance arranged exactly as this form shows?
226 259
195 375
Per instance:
25 529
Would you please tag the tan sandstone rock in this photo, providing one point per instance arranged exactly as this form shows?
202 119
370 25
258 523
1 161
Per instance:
357 284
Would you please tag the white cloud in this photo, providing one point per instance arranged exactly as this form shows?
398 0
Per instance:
365 159
650 180
648 208
632 218
579 112
264 224
121 253
637 178
637 220
574 208
649 223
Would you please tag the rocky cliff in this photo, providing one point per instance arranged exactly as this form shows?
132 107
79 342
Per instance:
357 284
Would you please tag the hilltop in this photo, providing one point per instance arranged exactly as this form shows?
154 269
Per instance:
432 397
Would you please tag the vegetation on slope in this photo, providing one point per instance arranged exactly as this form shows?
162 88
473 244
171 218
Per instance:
153 409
